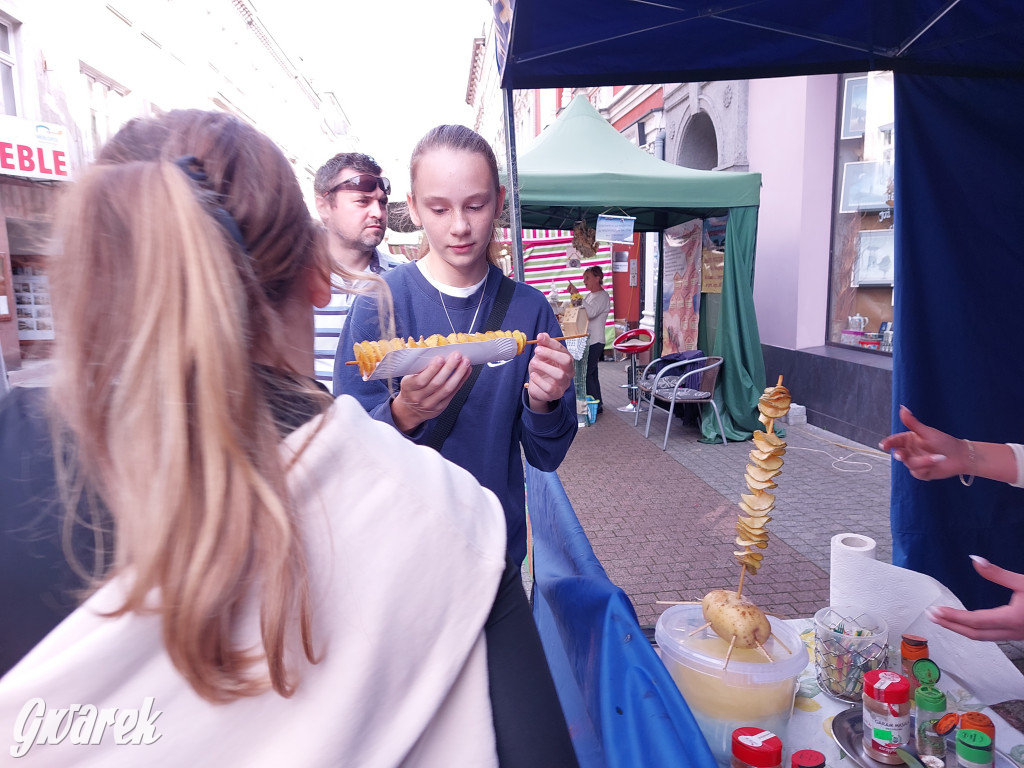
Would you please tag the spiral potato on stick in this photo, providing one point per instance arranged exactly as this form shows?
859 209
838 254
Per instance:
369 353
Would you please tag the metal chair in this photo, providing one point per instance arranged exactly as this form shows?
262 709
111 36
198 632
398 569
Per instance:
632 343
668 384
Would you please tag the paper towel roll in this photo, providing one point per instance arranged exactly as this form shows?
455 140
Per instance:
901 596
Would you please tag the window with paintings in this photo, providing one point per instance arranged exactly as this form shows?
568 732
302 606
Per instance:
862 265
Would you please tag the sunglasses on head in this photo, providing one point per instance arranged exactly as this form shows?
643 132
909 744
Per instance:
362 183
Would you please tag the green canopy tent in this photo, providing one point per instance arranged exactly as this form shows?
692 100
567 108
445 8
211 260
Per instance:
580 166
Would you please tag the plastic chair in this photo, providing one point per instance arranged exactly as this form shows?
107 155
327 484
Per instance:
668 384
632 343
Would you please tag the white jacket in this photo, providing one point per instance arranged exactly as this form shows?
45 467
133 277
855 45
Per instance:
405 552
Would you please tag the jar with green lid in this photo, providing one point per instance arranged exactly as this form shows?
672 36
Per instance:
931 707
974 749
922 672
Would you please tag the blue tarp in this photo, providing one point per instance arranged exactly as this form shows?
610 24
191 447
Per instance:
622 706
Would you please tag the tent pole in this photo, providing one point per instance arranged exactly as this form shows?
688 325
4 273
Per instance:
514 219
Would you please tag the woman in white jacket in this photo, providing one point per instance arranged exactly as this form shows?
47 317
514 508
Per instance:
597 304
223 565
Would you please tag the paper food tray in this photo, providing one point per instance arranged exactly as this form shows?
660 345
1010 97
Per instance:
403 362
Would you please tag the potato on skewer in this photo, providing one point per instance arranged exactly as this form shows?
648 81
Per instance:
369 353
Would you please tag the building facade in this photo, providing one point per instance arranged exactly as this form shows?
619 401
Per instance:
822 319
72 72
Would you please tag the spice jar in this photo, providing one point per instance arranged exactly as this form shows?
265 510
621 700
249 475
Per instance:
925 672
973 749
807 758
931 707
978 721
756 748
912 648
886 715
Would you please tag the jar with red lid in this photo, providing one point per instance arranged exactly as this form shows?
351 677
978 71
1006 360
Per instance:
807 758
754 747
886 715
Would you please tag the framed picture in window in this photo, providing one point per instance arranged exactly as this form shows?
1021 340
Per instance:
876 258
855 108
865 187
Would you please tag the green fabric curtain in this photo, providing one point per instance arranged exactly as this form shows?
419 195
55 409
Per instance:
741 378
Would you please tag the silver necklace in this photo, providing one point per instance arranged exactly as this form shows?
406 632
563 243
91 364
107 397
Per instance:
483 290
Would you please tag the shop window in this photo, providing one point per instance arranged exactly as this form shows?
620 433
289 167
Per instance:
862 265
7 64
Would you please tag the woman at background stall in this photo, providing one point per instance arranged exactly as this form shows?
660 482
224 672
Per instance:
524 407
194 532
930 454
597 304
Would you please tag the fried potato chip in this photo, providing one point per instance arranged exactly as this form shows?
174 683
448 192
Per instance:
758 485
765 455
753 512
760 500
760 473
755 522
769 437
771 463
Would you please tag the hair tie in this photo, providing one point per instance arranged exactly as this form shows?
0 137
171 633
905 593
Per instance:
193 168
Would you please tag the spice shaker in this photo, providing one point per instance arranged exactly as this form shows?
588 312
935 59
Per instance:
886 715
973 749
912 648
756 748
979 721
931 707
807 758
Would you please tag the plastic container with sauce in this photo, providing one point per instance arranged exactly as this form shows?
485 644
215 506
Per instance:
754 747
749 691
973 749
886 715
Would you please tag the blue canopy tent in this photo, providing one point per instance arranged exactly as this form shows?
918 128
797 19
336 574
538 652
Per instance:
959 200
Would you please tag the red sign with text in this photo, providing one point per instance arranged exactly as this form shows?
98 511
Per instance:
33 150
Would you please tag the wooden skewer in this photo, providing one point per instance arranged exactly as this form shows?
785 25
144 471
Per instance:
739 589
562 338
766 654
677 602
698 629
728 653
532 341
781 643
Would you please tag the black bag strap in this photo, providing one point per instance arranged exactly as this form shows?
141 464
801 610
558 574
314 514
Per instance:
446 421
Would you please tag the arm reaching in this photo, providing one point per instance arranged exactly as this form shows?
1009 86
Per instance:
931 454
1005 623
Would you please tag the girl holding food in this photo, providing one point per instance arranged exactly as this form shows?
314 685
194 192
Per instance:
456 197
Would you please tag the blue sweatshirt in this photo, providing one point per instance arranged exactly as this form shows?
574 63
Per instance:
495 426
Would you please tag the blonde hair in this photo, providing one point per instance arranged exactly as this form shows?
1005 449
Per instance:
162 315
461 139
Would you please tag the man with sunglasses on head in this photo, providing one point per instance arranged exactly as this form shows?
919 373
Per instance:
352 201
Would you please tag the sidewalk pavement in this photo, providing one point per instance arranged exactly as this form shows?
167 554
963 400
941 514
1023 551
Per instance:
662 523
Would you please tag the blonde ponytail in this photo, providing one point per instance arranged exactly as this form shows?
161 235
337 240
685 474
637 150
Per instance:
170 426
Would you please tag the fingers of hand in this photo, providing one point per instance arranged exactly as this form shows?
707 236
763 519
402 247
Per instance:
1001 576
550 377
988 624
429 391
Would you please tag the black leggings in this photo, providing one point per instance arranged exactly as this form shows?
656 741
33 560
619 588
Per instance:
529 725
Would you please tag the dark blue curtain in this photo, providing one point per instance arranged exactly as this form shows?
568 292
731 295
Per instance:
958 362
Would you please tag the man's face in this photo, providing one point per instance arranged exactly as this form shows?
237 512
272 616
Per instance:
356 218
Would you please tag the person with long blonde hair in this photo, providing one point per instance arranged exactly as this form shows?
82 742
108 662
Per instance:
206 559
